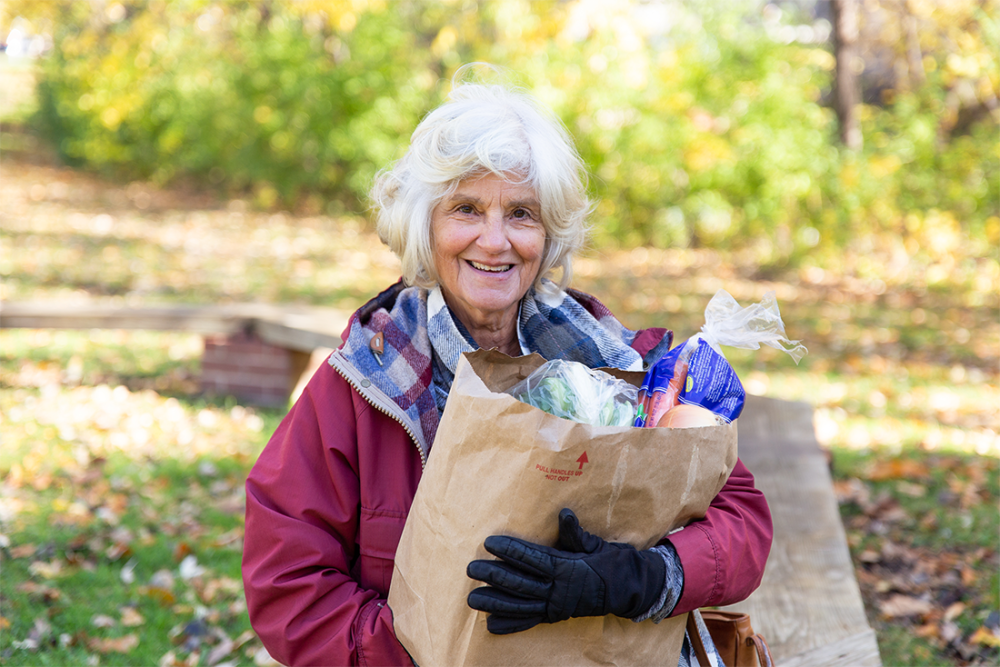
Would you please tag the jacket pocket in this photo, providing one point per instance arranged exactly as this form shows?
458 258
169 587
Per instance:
378 537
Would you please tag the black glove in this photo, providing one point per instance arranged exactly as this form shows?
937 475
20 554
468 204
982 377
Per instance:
584 576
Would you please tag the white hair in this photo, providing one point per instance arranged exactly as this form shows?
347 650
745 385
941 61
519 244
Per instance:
482 129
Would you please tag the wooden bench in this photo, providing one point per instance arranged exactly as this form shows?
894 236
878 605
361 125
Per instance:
259 353
809 606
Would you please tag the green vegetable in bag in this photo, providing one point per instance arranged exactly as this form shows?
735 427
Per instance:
570 390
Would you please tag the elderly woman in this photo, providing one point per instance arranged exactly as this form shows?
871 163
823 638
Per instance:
487 205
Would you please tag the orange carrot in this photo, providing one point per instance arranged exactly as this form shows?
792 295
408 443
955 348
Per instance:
660 402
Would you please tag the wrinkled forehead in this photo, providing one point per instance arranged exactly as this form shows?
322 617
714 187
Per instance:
511 184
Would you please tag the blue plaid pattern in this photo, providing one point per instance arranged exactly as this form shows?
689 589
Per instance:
423 343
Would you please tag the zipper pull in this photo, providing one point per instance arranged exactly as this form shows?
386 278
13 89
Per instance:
377 346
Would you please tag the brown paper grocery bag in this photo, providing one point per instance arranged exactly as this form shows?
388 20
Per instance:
499 466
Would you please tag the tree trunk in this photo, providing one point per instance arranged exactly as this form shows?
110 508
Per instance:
846 88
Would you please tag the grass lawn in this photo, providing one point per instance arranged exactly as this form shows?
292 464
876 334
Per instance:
121 508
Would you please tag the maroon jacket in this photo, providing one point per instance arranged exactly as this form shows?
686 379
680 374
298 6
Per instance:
325 507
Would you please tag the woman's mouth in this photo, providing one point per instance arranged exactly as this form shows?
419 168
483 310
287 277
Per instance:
499 268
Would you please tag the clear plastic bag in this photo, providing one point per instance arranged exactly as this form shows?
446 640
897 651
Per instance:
697 373
728 323
570 390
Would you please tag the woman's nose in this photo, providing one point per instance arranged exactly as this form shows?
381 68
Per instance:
494 232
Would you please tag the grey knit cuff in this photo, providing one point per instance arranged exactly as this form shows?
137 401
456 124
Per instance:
673 584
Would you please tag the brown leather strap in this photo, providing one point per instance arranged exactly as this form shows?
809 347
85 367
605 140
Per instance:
758 642
695 638
763 650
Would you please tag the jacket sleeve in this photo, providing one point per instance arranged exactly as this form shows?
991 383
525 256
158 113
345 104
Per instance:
302 500
723 555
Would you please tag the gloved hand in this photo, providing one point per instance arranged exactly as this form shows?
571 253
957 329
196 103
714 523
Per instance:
583 576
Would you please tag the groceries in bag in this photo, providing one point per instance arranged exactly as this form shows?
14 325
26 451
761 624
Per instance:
571 390
696 373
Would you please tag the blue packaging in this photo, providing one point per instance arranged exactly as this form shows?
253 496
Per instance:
711 382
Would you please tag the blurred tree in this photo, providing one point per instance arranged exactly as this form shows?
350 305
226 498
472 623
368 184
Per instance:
704 124
944 49
846 97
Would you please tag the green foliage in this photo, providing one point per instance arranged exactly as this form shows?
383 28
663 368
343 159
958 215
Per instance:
701 130
249 100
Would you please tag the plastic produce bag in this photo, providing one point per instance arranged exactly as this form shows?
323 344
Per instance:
697 373
571 390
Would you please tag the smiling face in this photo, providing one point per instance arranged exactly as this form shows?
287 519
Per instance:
488 243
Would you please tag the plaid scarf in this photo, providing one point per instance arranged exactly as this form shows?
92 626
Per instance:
423 342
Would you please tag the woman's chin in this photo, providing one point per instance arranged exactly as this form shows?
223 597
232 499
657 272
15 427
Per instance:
486 305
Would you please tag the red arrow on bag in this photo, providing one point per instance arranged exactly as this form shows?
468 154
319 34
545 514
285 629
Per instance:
583 459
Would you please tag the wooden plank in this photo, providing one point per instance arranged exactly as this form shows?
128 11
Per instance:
861 650
196 319
297 328
809 606
302 335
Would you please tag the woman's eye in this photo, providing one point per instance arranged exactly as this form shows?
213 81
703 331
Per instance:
520 214
465 208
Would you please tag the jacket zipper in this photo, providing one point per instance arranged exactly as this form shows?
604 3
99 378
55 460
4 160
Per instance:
366 393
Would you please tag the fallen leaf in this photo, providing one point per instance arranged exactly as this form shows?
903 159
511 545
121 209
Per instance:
985 636
127 575
229 537
40 630
162 579
118 551
170 659
44 591
869 556
210 590
161 595
898 469
851 490
46 570
245 636
131 617
904 605
182 551
103 621
953 611
910 489
114 645
893 514
221 650
262 658
189 568
23 551
950 632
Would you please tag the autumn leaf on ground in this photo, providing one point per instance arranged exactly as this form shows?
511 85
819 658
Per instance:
113 645
131 617
985 636
23 551
904 605
103 621
898 469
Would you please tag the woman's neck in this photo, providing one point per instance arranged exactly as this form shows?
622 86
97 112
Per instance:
505 341
492 330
